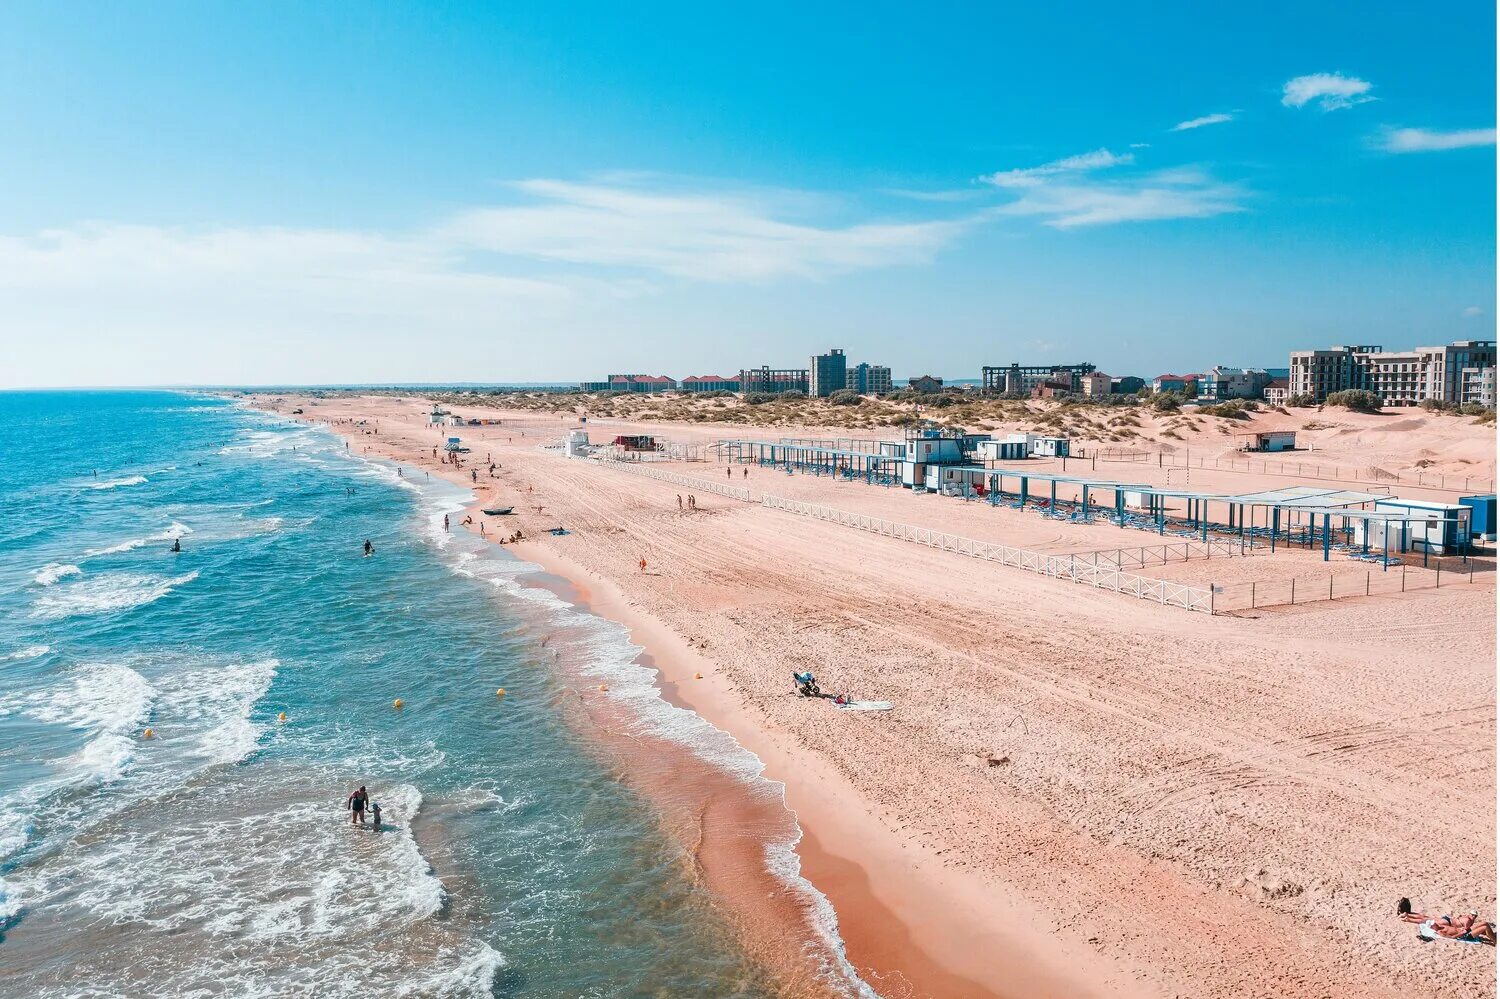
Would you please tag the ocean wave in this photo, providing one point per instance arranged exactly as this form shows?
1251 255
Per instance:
132 480
53 571
106 593
215 703
177 530
29 652
109 701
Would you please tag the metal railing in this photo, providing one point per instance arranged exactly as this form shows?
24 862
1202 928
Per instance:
1079 569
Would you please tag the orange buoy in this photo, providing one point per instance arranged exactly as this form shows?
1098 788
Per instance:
397 703
697 676
500 692
281 717
149 733
603 686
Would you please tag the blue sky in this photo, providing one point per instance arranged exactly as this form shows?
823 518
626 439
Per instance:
272 192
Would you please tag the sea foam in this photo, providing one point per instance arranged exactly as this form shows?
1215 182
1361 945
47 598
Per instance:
106 593
53 571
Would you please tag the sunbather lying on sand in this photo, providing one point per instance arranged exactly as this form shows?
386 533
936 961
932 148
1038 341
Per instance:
1466 929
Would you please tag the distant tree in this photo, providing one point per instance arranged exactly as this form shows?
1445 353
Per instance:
1166 402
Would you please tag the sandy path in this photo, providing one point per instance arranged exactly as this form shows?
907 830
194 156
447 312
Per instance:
1224 806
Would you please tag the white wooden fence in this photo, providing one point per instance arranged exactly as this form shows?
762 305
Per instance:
1078 568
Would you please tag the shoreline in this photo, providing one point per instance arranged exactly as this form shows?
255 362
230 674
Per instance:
899 916
1074 824
907 928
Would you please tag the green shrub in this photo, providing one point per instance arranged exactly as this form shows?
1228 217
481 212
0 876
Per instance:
1301 400
759 398
1355 400
845 397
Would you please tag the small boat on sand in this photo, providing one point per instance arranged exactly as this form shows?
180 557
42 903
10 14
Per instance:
498 511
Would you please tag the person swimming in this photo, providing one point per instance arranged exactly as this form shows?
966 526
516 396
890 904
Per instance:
176 544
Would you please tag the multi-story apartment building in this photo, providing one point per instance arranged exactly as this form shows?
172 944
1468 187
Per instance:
1320 373
827 373
1399 378
1477 386
764 379
870 379
1095 385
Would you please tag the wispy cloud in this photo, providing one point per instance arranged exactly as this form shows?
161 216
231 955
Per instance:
1208 119
1099 159
1332 91
707 237
1473 311
1166 194
1424 140
562 249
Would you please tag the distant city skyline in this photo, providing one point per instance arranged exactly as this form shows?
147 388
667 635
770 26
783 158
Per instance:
209 193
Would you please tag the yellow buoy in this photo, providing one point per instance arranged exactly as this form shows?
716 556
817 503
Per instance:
149 733
281 717
397 703
603 686
500 692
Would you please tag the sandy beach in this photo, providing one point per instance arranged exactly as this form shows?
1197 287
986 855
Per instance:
1078 793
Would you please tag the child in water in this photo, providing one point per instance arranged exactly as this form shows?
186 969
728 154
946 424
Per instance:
375 813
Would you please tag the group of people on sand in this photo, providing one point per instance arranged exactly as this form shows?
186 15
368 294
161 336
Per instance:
1468 928
692 502
358 804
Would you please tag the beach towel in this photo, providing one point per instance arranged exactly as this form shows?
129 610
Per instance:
865 706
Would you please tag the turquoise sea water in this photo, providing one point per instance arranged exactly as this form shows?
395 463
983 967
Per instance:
214 858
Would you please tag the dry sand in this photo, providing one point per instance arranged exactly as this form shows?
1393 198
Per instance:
1079 793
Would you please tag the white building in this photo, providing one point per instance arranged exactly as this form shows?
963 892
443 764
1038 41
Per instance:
1095 385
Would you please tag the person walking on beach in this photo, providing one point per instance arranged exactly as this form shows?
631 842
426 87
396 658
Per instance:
729 473
679 502
643 563
356 803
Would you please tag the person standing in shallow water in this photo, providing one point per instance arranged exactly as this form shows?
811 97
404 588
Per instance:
356 803
369 548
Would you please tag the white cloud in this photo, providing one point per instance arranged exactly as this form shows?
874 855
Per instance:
84 304
1423 140
1208 119
1031 176
707 237
1473 311
1332 91
1166 194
